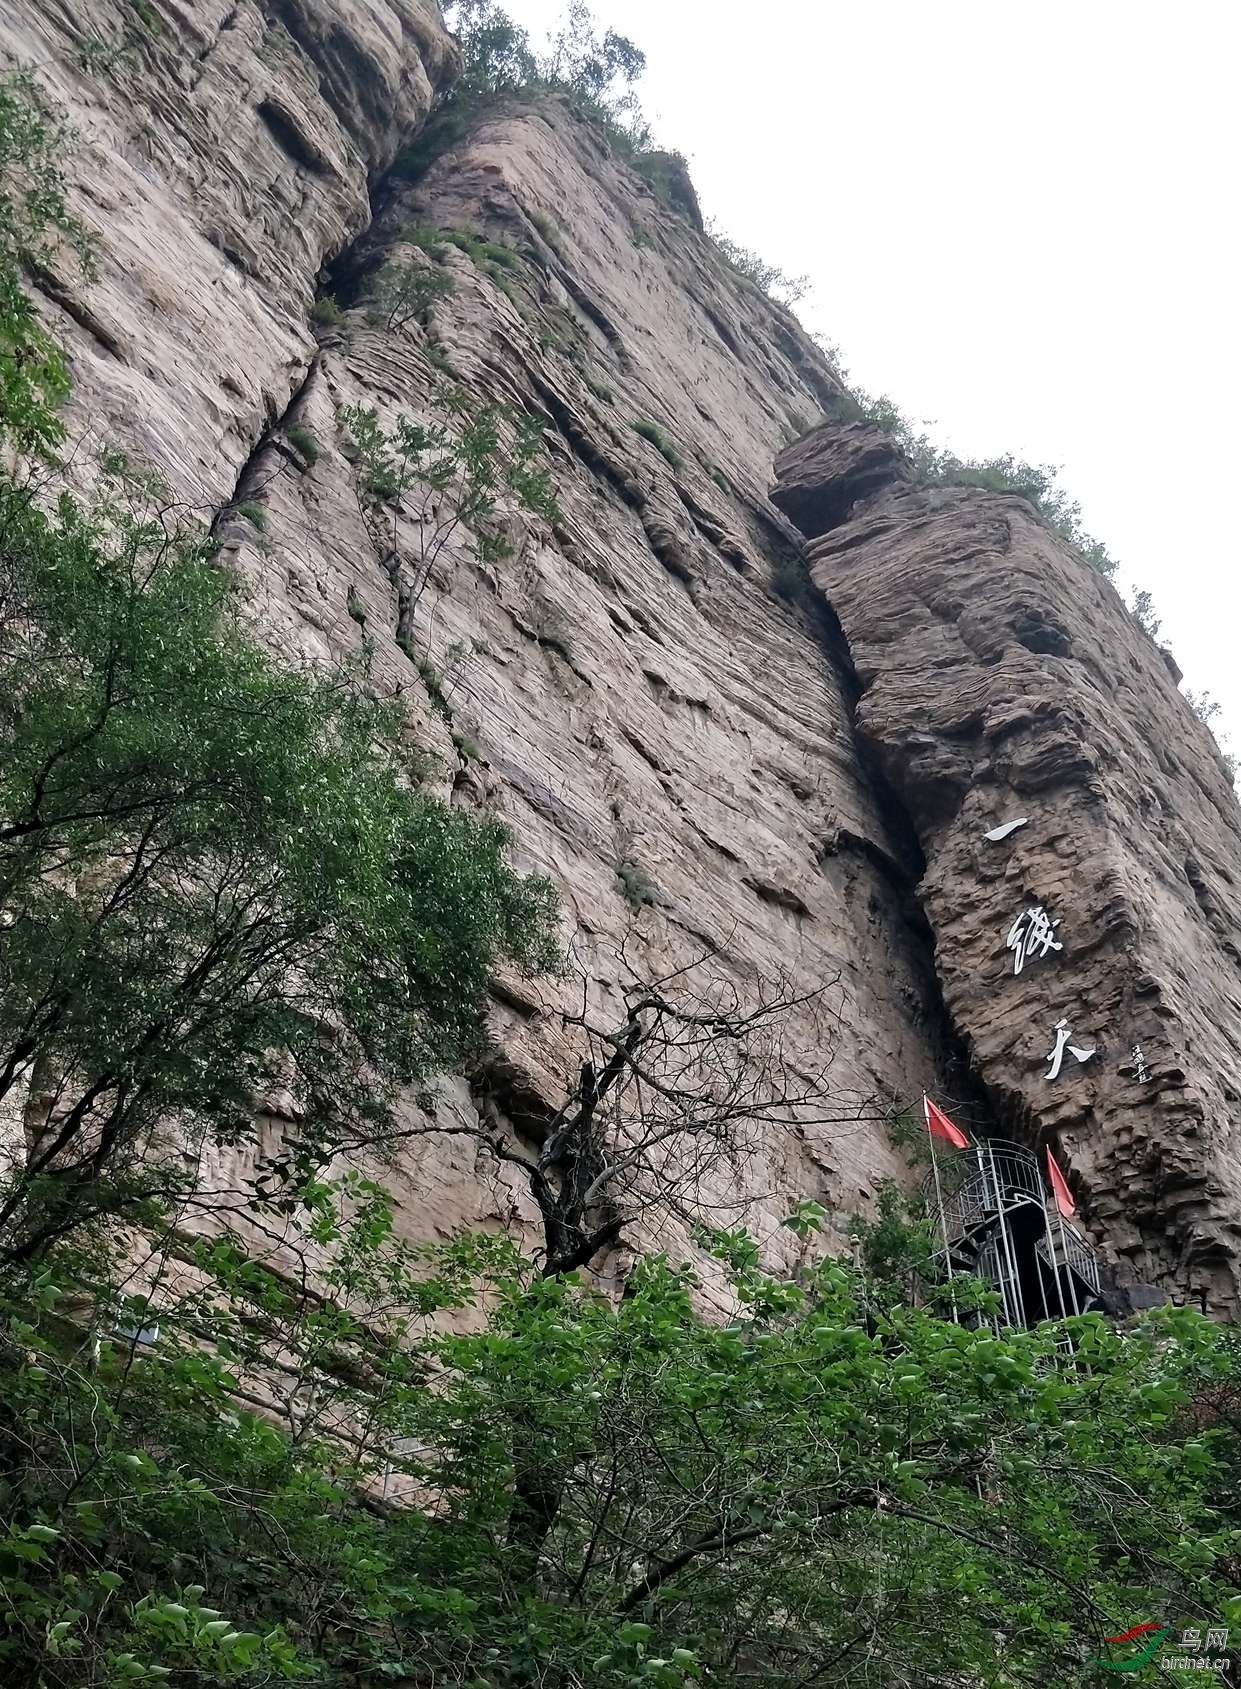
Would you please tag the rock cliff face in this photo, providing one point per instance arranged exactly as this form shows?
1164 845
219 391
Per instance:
646 685
1003 680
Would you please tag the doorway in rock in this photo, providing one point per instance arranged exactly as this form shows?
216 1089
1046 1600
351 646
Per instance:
993 1215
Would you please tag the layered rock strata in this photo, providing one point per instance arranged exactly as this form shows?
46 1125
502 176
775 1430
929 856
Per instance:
1003 680
626 688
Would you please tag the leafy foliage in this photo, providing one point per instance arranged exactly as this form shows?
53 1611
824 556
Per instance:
1036 483
35 219
595 72
1143 612
423 484
776 283
826 1479
213 877
325 312
303 441
405 291
659 438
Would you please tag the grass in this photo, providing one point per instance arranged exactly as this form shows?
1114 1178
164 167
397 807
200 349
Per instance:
658 438
550 231
254 514
304 443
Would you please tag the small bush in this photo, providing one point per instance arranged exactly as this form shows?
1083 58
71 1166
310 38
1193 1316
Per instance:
304 443
254 514
147 16
770 279
427 238
601 390
1143 612
637 887
550 231
552 628
721 480
405 292
658 438
325 311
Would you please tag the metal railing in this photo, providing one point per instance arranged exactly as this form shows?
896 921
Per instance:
973 1196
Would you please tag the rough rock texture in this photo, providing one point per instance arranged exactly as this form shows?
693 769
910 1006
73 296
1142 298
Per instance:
1001 677
627 689
651 685
224 152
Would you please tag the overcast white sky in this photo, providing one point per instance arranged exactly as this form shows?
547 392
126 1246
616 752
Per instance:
1019 221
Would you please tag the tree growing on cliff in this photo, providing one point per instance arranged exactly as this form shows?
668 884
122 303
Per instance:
667 1108
423 484
215 881
405 291
35 220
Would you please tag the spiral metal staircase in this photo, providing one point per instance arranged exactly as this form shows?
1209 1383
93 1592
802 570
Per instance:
994 1216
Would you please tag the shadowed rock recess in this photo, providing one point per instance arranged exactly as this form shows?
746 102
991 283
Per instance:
650 683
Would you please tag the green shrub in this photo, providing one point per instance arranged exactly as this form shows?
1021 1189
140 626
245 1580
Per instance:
636 885
303 442
427 238
405 292
935 466
325 311
776 283
253 513
600 389
658 438
550 231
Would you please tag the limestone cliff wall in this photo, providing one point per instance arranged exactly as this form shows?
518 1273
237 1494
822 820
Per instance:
635 685
682 717
1003 679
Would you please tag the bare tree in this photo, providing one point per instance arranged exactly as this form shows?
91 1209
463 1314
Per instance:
667 1106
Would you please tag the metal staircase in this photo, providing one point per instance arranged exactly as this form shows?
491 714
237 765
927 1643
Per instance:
997 1219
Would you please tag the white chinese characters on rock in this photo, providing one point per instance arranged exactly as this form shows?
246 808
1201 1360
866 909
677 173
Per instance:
1056 1054
1139 1063
1031 935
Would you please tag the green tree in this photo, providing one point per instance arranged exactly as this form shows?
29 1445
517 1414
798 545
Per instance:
823 1487
423 484
35 219
405 291
214 879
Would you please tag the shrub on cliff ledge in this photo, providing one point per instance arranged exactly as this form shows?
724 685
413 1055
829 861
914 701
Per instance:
936 466
594 72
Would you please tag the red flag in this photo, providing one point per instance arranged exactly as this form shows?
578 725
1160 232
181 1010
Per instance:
938 1123
1059 1184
